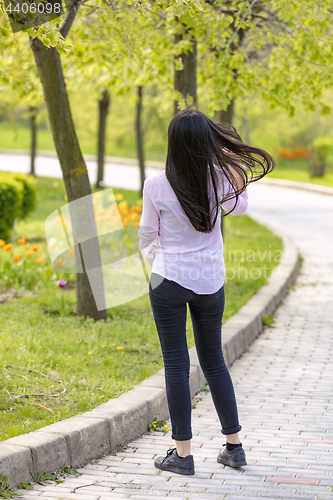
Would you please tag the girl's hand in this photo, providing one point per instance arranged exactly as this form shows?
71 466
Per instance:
239 179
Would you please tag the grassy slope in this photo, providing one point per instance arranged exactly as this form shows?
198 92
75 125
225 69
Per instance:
82 356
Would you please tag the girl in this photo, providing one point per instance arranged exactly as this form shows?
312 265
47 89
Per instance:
207 167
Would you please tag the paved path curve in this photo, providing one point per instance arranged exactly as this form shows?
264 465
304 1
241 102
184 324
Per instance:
116 174
283 385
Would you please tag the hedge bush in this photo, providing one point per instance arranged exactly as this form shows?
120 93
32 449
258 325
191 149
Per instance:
18 195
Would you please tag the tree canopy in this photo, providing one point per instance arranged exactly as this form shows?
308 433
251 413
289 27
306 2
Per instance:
277 50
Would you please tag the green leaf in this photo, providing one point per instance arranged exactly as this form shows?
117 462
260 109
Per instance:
267 320
52 37
326 110
24 486
40 474
79 50
49 476
41 32
61 50
5 32
31 32
178 64
192 11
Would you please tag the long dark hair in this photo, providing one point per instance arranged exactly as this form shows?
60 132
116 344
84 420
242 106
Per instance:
195 145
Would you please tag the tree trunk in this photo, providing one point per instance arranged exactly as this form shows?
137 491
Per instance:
103 113
33 128
247 138
227 115
186 79
317 167
75 178
139 138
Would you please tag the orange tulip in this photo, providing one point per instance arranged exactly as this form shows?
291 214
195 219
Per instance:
134 216
123 213
35 247
60 262
71 252
21 241
17 258
39 260
2 243
8 247
29 253
27 246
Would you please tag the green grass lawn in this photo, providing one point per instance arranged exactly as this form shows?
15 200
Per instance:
55 366
20 140
297 170
303 176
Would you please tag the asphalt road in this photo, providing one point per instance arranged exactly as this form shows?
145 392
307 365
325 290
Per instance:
115 174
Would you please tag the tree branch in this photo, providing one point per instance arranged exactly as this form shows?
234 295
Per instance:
239 28
303 59
70 16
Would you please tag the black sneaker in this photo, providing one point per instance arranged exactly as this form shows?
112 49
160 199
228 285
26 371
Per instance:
172 463
234 458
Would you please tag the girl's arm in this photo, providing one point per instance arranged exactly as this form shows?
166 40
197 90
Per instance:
238 183
241 206
238 178
149 225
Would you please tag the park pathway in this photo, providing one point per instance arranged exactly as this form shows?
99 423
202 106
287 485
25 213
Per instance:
283 385
116 174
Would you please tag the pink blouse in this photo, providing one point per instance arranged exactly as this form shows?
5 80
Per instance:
174 248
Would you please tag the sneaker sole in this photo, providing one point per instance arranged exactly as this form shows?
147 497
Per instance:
231 463
176 470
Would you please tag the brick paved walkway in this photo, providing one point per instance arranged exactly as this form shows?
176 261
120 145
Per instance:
283 385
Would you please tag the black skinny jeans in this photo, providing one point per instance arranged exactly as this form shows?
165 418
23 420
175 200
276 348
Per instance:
169 305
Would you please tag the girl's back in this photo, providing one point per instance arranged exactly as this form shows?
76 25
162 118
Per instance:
175 248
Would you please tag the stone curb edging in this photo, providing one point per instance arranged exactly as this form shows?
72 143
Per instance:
75 441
